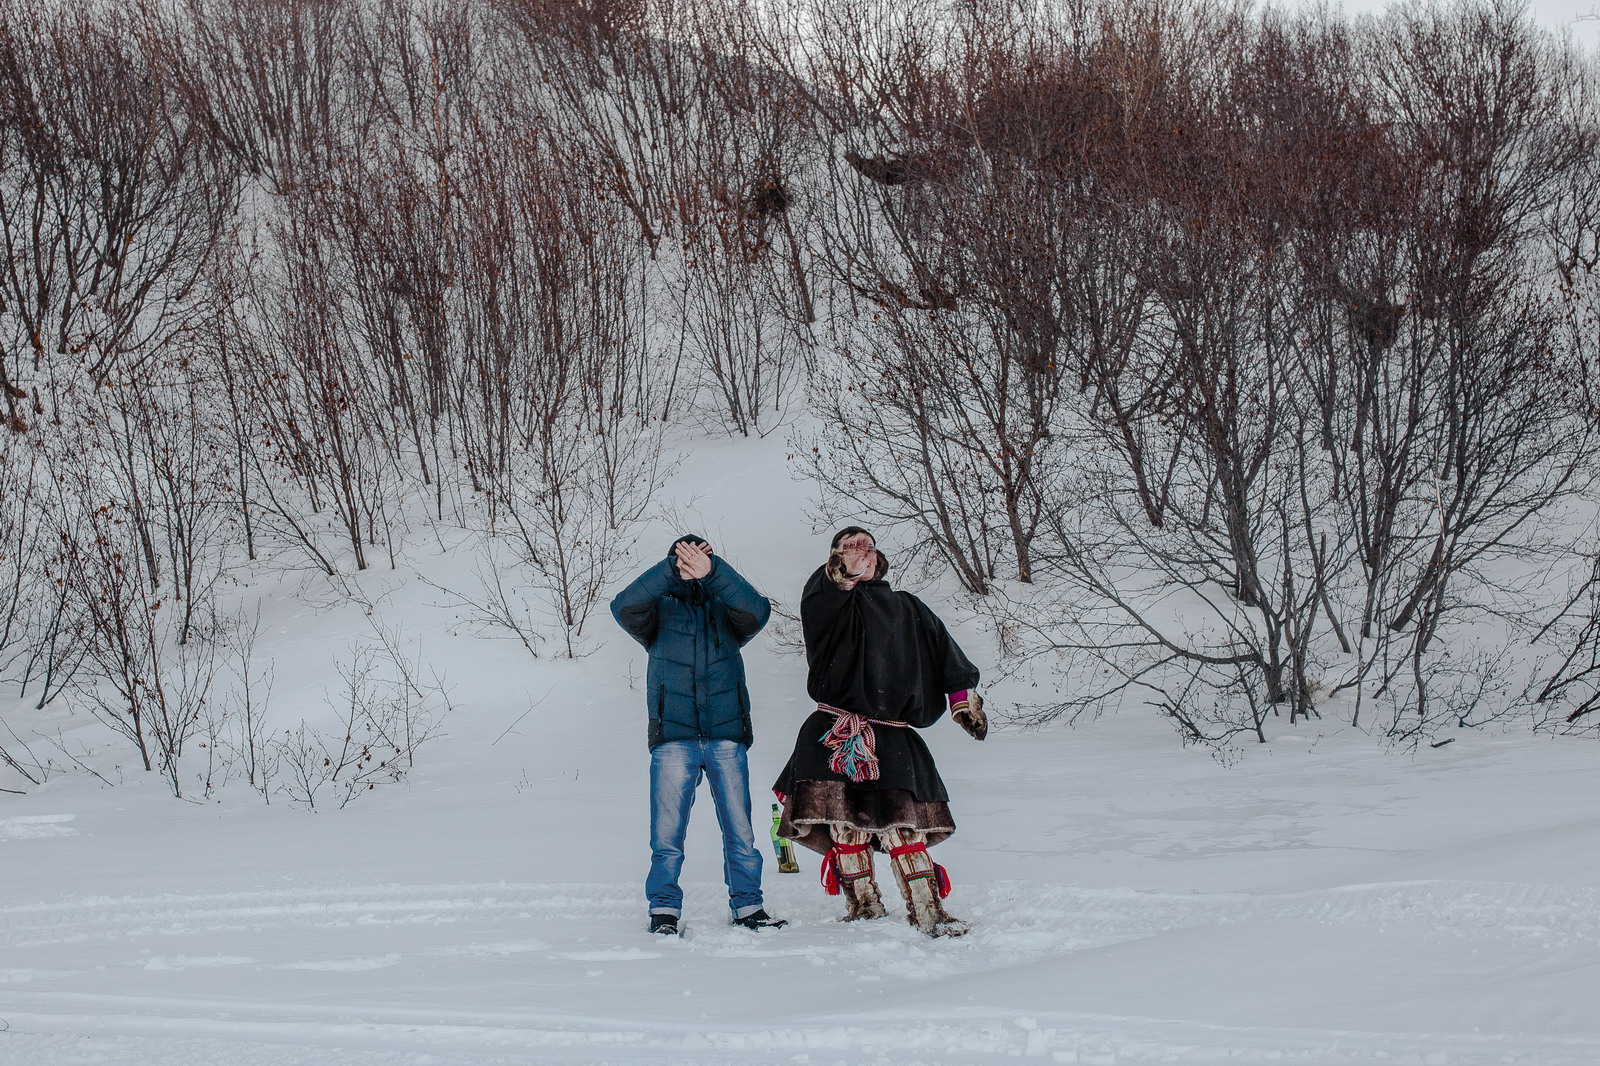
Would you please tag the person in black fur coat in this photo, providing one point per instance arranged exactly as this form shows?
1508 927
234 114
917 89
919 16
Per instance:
881 665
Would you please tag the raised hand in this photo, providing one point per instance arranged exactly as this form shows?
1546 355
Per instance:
694 560
859 556
840 574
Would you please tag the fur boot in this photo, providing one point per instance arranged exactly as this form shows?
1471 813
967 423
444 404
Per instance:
919 879
861 896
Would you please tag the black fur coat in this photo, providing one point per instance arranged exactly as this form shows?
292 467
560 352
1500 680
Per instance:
874 651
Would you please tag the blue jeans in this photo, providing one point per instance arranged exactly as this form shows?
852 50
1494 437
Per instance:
675 770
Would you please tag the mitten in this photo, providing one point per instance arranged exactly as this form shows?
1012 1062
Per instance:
966 710
838 574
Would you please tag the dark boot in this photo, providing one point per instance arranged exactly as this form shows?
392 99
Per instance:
759 920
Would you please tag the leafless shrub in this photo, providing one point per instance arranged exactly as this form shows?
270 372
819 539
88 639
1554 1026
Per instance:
968 326
20 546
1243 361
145 682
310 409
385 711
750 357
617 91
278 85
113 203
499 605
559 436
1288 284
240 739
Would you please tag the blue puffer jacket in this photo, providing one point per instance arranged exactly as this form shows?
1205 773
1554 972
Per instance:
693 631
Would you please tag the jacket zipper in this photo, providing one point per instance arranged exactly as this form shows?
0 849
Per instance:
702 663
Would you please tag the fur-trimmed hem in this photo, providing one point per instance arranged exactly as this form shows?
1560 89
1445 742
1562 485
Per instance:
816 807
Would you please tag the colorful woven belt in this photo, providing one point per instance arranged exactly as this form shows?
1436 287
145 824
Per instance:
853 743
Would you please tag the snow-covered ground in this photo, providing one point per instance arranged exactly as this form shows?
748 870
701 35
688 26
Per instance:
1319 900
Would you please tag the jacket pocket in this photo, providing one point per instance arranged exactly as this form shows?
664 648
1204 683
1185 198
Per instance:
656 734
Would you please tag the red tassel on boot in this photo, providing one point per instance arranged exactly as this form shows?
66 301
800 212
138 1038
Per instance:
924 884
830 864
940 875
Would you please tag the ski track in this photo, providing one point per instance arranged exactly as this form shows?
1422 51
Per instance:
53 1020
1023 920
1089 1040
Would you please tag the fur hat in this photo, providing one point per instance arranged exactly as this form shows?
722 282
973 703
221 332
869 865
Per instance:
849 531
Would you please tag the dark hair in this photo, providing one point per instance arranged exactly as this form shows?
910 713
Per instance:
690 538
883 565
849 531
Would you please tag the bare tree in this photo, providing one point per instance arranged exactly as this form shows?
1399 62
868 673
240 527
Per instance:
1348 356
112 204
144 683
565 448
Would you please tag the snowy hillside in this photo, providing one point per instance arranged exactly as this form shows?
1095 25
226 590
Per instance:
1322 900
1227 376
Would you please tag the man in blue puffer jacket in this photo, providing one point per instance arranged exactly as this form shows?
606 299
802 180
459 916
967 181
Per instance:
693 612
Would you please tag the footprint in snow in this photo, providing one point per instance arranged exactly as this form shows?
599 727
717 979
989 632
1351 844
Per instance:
608 955
192 962
32 826
17 977
481 951
343 965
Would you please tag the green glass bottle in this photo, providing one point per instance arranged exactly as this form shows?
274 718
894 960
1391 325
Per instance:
784 848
